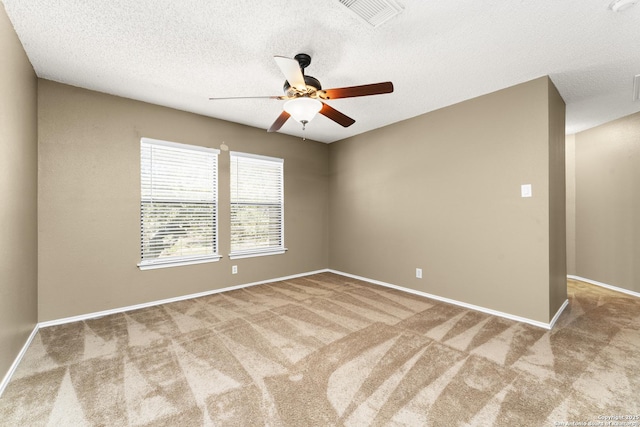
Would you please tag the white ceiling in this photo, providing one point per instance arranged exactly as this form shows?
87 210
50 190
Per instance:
437 53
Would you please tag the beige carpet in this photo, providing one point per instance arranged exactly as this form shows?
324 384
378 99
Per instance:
329 350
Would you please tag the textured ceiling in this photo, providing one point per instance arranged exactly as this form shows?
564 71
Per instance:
437 53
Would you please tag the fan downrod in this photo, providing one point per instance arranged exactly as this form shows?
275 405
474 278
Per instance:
303 59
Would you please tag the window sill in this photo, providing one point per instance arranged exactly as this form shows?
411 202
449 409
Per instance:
177 263
251 254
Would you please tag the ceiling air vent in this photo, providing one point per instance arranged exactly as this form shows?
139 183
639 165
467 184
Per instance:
374 12
636 88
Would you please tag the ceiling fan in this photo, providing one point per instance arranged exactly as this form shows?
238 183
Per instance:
305 96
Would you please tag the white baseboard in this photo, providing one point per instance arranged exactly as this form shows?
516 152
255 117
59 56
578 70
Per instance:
18 359
604 285
459 303
94 315
97 314
558 313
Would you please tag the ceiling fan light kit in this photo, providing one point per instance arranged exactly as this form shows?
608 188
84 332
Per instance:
303 110
305 96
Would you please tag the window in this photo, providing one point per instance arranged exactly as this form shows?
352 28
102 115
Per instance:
178 204
257 205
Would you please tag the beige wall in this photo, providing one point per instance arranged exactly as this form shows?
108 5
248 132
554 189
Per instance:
570 163
89 195
441 192
608 203
18 197
557 203
461 220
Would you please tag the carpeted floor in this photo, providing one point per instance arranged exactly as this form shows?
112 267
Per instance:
329 350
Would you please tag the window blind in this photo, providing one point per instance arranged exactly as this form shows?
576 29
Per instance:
257 205
178 203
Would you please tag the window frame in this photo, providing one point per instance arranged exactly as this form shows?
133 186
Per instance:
175 261
255 252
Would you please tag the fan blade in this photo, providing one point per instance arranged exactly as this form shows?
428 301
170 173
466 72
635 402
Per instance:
353 91
249 97
291 70
336 115
282 118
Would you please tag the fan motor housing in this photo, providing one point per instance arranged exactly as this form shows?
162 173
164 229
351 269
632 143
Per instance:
313 85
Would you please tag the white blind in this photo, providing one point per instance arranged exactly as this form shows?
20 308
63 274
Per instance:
257 204
178 204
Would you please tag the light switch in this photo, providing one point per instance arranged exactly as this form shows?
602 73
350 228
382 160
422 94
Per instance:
525 190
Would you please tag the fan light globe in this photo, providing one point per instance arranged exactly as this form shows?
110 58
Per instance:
303 110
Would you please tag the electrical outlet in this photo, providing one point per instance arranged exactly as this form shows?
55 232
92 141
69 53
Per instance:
418 273
234 269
